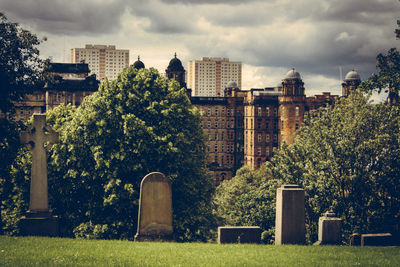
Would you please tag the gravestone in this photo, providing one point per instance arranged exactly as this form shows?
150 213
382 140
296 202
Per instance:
155 209
290 215
39 219
239 234
329 229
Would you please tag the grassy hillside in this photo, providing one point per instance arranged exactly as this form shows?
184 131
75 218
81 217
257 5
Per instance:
34 251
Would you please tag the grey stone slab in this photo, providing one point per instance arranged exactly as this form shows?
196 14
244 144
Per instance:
380 239
290 215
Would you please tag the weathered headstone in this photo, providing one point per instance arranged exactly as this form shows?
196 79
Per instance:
290 215
355 239
155 209
329 229
239 234
381 239
39 219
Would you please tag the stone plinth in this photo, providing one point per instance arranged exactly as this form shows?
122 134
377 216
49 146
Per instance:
155 209
382 239
38 223
329 229
290 215
239 234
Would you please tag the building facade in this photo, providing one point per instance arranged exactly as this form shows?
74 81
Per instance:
68 84
103 60
210 75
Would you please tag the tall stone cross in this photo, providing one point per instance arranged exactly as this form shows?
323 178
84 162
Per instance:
37 135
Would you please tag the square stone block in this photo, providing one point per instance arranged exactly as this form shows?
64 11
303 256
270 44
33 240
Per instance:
239 234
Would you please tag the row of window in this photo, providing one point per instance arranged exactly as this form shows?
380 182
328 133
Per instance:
221 136
221 124
230 148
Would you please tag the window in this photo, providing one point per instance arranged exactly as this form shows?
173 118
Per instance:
267 111
259 150
259 138
267 151
216 123
216 136
216 111
275 112
297 111
209 111
223 111
259 123
216 148
275 138
266 138
297 125
282 125
208 124
259 111
222 148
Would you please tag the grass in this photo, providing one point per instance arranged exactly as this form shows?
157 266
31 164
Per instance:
42 251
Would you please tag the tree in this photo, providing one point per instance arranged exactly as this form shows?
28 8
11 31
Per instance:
137 124
347 158
388 77
20 65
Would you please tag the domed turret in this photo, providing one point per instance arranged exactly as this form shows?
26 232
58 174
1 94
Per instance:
138 64
292 75
176 71
350 83
175 65
352 76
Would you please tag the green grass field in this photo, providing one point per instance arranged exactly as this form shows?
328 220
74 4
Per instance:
34 251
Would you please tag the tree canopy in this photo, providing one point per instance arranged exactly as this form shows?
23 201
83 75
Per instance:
20 65
347 158
139 123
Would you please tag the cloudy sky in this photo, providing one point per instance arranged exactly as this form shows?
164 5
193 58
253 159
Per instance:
269 37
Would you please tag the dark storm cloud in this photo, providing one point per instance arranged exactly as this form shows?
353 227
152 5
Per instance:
66 17
360 11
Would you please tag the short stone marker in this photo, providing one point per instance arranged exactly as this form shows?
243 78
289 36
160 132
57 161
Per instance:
39 219
290 215
329 229
155 209
239 234
382 239
355 239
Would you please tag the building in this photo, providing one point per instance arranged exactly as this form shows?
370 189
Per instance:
69 83
210 75
103 60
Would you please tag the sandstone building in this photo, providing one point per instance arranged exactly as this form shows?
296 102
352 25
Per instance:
69 83
103 60
244 127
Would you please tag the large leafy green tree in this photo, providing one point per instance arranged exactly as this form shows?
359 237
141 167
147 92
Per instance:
139 123
20 65
347 158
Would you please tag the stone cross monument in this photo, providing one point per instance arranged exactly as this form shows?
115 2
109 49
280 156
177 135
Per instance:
38 219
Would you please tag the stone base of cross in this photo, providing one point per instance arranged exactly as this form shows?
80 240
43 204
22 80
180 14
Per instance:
39 219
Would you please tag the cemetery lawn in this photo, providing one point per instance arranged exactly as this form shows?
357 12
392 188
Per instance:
35 251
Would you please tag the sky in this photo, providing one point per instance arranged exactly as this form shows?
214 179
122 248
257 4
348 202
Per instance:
316 37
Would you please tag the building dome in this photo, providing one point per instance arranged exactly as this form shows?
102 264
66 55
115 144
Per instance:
175 65
292 75
231 84
138 64
352 76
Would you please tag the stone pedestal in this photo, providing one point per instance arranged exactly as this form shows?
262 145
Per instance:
239 234
329 229
39 223
290 215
